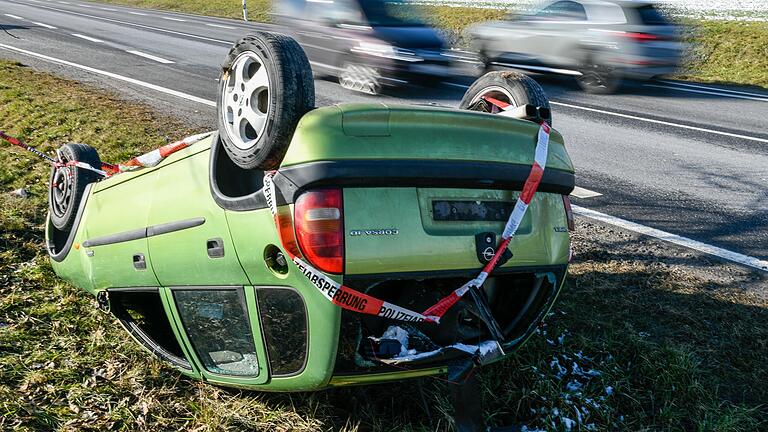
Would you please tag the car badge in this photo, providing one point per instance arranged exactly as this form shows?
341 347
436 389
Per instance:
375 232
485 247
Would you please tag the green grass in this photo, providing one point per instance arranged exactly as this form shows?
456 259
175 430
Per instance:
680 341
258 10
727 52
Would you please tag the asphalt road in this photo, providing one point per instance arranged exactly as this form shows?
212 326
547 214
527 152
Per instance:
689 160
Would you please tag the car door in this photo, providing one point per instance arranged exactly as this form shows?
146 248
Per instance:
207 291
189 240
115 242
544 37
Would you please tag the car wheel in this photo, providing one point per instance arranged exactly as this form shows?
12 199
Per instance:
68 184
265 88
360 78
513 88
597 79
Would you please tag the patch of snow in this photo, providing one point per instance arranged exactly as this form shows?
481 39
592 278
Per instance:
573 386
568 423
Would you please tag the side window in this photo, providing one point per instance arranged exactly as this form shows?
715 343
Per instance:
217 325
563 11
284 323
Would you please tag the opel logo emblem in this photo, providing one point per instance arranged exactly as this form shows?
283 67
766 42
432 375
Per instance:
488 254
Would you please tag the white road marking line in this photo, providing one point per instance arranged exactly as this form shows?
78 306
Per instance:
43 25
673 238
137 13
108 9
220 26
14 16
716 93
114 76
63 2
88 38
580 192
677 125
85 5
159 29
710 88
173 19
150 56
456 85
540 68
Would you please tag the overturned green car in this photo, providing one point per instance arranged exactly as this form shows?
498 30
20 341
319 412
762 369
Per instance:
399 205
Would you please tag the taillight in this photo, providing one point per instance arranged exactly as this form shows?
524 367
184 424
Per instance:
640 37
319 222
569 213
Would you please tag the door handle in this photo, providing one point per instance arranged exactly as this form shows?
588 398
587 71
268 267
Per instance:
215 247
139 262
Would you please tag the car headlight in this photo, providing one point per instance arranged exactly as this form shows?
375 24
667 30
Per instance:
386 51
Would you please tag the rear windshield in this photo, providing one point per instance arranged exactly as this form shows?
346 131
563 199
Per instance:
649 15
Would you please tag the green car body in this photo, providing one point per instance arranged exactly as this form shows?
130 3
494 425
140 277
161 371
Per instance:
192 237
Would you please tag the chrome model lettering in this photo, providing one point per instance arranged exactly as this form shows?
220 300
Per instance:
375 232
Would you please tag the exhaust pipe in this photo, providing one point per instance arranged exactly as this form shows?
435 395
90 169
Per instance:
529 112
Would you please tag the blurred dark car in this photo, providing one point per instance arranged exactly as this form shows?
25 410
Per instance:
599 42
367 44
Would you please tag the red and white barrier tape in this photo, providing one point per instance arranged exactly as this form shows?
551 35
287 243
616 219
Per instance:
146 160
351 299
154 157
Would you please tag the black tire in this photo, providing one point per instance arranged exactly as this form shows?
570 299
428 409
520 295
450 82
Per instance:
68 184
513 88
289 95
598 79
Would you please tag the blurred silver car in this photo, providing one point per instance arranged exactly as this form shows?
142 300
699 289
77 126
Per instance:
597 41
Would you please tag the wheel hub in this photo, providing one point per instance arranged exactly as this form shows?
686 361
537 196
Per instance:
246 99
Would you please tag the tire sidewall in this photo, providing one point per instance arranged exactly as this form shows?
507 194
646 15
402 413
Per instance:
291 95
246 156
521 89
80 179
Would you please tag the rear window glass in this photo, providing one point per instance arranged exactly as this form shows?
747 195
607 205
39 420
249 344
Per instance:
284 324
649 15
217 325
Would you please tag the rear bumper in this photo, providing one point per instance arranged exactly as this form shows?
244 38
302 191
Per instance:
645 65
417 173
356 363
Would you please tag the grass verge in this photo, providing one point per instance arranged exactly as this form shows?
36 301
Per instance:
727 52
640 339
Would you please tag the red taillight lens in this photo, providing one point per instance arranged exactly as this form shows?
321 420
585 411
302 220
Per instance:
569 213
319 222
640 37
